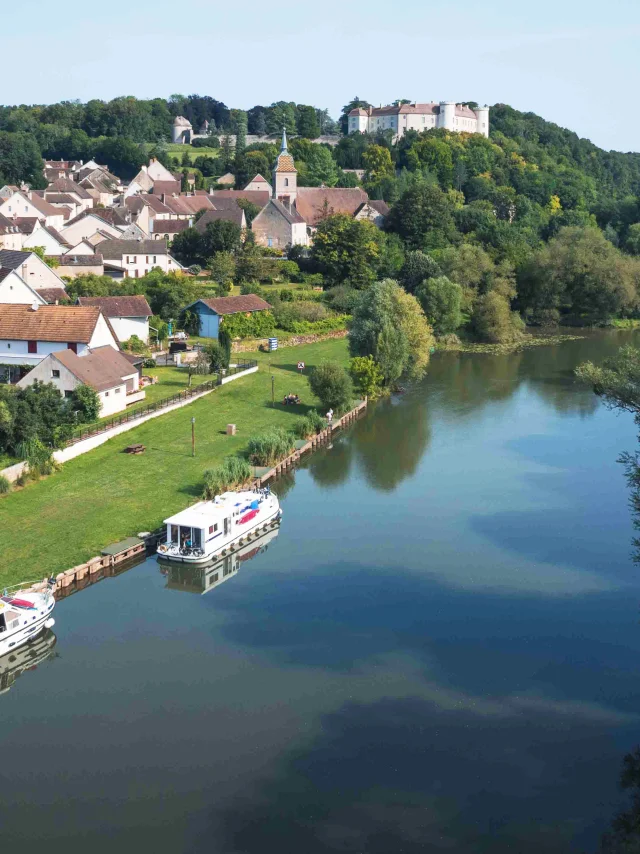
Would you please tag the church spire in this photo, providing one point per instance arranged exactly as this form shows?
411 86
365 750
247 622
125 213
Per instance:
284 140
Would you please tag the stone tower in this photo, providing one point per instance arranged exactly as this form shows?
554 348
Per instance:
285 175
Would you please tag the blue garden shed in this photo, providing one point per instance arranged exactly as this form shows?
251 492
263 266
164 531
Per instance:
210 311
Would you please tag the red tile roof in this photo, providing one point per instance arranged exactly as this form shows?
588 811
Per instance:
49 323
235 305
313 203
134 306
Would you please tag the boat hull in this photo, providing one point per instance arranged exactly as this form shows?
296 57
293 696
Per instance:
262 524
25 633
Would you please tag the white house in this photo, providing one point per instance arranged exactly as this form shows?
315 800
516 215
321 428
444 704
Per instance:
86 225
11 235
108 371
137 257
127 315
28 333
13 289
31 268
400 118
21 204
51 241
259 183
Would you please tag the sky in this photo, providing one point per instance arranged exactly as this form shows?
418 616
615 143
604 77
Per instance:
573 62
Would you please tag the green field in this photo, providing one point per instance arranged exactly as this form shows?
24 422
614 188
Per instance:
176 152
106 495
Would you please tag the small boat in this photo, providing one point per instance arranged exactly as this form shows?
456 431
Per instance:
209 529
24 613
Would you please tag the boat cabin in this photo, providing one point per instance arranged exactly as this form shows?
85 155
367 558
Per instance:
210 523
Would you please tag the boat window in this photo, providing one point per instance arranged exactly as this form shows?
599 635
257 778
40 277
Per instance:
197 538
3 626
175 534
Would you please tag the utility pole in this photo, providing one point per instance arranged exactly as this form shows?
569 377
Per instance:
193 437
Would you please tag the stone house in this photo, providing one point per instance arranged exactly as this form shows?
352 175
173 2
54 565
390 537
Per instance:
279 227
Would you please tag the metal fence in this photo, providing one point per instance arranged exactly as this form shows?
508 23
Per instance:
126 417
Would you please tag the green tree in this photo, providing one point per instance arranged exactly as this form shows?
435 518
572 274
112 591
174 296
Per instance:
186 246
249 261
632 241
389 325
332 385
367 375
377 163
20 160
423 217
308 122
221 235
493 320
222 269
440 299
617 381
123 156
417 267
347 251
86 403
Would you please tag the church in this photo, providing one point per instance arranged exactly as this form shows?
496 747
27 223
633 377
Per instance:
292 214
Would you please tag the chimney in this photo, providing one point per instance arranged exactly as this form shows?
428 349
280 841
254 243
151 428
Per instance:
34 305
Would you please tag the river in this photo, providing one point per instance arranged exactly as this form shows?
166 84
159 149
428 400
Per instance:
438 651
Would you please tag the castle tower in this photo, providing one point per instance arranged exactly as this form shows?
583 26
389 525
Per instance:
285 175
447 115
182 131
483 120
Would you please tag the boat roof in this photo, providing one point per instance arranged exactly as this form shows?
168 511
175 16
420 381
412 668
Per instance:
205 512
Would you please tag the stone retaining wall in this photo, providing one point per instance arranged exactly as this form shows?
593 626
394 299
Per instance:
250 345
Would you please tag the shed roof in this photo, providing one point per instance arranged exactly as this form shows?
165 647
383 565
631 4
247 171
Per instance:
236 305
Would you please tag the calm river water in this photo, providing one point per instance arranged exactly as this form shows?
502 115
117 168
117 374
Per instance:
440 650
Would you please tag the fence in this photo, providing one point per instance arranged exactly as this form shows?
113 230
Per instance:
95 429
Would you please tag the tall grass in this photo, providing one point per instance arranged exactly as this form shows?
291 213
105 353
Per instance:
309 426
5 485
230 474
270 447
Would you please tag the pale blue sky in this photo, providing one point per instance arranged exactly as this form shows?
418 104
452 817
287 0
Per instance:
574 62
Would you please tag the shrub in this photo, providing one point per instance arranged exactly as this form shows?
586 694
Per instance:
224 340
258 324
367 375
149 363
135 345
270 447
332 385
86 404
289 270
217 356
230 474
309 426
341 298
22 479
5 485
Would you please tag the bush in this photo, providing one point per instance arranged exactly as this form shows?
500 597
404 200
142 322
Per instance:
367 375
194 269
86 404
289 315
341 298
309 426
5 485
269 448
149 363
217 356
289 270
332 385
230 474
224 339
135 345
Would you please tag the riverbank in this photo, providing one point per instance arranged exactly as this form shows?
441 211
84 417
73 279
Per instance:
104 496
528 340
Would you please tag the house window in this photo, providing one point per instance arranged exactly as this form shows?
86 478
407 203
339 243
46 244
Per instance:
55 374
72 346
68 393
155 258
118 390
269 242
136 274
32 346
147 259
106 394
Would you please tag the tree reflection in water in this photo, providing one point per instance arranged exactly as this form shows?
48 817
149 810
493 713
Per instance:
331 466
624 835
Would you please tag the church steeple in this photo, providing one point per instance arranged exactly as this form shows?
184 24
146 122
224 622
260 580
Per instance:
285 180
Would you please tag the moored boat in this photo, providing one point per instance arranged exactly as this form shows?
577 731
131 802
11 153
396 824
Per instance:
24 613
209 528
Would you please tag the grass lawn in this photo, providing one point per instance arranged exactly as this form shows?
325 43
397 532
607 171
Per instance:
105 495
176 152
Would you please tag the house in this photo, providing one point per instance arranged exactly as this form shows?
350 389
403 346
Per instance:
260 184
11 236
101 185
212 311
256 197
374 210
317 203
13 289
137 257
28 333
89 222
230 213
72 265
46 237
278 226
31 268
26 204
106 370
82 247
127 315
166 229
156 178
72 189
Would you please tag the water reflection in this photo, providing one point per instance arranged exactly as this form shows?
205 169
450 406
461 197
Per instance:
27 657
331 467
390 443
624 835
201 579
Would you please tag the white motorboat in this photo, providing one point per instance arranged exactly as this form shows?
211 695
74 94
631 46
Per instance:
24 613
209 528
